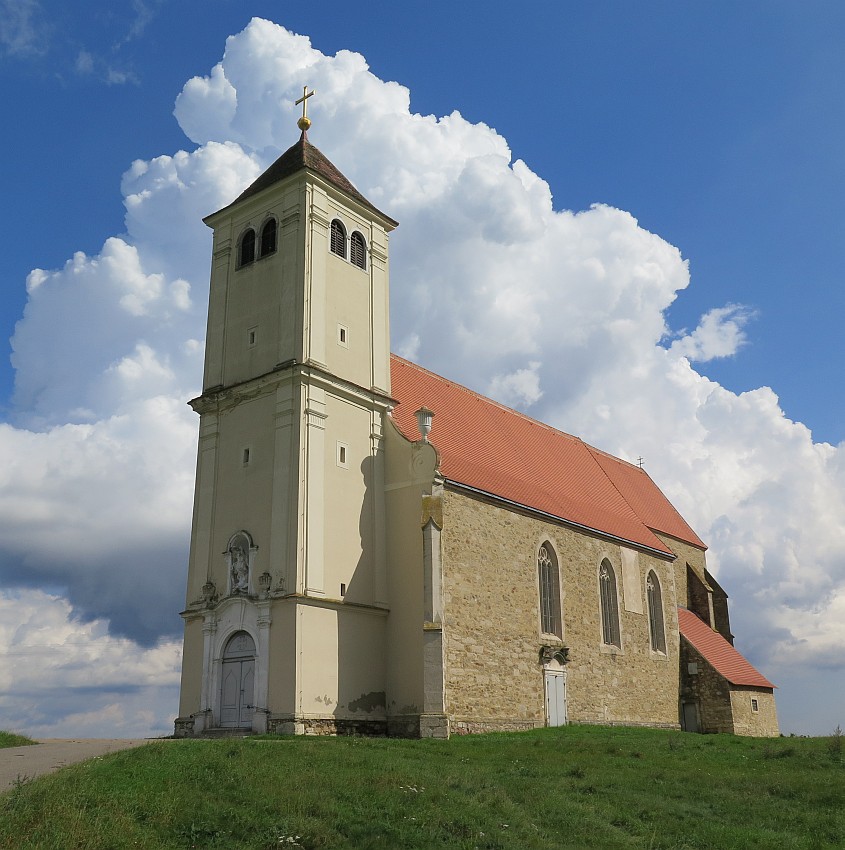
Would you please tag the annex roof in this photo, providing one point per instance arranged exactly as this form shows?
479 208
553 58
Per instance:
491 448
718 653
304 155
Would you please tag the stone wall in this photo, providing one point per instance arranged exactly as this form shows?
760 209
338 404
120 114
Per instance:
492 637
710 691
693 558
762 723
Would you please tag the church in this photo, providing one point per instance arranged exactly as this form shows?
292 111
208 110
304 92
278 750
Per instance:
378 550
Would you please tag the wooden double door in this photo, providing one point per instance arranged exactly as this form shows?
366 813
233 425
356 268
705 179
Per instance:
237 687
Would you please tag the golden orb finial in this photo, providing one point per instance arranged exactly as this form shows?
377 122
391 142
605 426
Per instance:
304 122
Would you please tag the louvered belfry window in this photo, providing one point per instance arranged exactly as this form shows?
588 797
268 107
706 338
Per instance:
268 238
357 250
247 253
655 613
338 238
550 622
609 605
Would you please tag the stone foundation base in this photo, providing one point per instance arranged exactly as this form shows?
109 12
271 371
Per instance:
398 726
199 726
434 726
183 727
474 727
326 726
403 726
675 727
418 726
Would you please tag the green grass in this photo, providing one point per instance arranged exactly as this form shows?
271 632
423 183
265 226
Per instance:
9 739
574 787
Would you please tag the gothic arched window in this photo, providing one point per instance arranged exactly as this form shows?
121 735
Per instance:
550 622
246 252
655 613
609 605
268 238
338 238
358 250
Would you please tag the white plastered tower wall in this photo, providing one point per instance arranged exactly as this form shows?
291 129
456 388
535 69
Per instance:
291 462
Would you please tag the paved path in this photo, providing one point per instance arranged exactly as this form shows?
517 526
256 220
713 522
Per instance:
52 753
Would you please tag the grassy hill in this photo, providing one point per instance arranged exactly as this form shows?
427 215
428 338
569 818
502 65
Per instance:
574 787
10 739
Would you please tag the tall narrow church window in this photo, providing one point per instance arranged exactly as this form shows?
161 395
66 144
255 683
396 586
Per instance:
268 238
246 253
655 613
549 576
609 605
338 238
358 250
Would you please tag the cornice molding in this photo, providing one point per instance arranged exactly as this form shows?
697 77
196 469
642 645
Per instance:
222 399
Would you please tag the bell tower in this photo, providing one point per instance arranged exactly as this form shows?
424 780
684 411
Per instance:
288 538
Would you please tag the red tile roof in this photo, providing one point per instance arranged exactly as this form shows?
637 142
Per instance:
491 448
718 653
646 498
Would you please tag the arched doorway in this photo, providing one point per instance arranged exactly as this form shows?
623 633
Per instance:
238 682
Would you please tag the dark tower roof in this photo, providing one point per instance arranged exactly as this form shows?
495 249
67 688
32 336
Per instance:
304 155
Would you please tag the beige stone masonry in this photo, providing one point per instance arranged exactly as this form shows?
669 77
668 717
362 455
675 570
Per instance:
759 723
494 678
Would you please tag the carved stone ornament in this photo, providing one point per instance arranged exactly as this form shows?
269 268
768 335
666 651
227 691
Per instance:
209 592
240 570
554 653
264 581
240 556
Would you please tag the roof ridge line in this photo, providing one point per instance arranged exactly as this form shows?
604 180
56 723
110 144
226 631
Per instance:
493 401
639 519
620 460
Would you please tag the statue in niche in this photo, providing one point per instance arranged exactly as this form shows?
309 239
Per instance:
240 570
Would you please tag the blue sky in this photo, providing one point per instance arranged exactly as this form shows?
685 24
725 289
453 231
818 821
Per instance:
718 127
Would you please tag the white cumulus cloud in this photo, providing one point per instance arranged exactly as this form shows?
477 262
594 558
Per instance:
720 333
60 677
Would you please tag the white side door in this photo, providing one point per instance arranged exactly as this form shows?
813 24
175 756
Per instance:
555 697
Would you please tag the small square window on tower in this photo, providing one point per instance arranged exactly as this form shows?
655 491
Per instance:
342 456
245 456
343 336
755 706
251 337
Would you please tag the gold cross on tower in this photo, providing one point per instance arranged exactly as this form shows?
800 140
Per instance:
304 122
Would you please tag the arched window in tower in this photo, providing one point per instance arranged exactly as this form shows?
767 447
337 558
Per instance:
246 252
609 605
358 250
550 620
338 238
268 238
655 613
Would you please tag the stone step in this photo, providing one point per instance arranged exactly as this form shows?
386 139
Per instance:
226 732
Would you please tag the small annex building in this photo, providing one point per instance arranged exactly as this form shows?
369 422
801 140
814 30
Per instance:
720 690
377 549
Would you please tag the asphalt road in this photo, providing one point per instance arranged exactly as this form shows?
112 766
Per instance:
52 753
